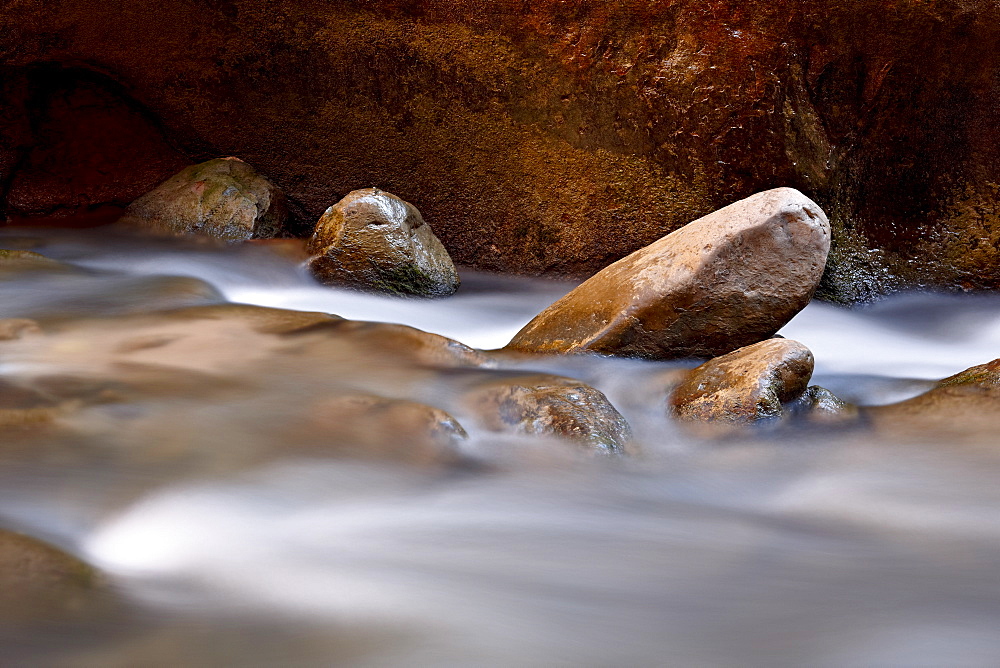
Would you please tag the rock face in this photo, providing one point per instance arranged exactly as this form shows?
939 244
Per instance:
74 146
745 385
556 137
373 240
224 198
543 405
724 281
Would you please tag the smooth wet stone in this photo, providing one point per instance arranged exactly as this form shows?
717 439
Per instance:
223 198
374 427
38 580
819 405
966 404
544 405
372 240
261 319
387 343
746 385
17 328
727 280
14 261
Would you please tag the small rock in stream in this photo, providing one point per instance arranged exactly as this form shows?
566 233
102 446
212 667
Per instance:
38 581
223 198
746 385
965 405
544 405
372 240
374 427
727 280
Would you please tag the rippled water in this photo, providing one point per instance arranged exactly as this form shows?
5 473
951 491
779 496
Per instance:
782 547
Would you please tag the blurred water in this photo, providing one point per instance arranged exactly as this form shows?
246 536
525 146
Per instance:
805 547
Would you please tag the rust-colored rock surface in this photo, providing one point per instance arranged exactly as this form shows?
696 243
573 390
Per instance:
75 146
745 385
372 240
724 281
559 135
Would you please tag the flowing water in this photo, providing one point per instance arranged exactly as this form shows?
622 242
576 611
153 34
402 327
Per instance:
231 545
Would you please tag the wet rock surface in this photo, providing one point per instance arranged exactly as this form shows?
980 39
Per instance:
39 581
223 198
373 427
721 282
746 385
543 405
373 240
965 406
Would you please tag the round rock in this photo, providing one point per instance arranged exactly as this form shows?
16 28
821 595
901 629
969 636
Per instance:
727 280
223 198
372 240
745 385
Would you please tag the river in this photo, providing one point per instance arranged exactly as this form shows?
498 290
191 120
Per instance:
779 547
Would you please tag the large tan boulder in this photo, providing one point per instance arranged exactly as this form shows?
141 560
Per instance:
223 198
373 240
727 280
746 385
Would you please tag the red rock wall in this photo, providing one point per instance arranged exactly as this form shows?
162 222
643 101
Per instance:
557 135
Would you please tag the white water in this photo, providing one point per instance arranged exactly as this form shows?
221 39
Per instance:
806 549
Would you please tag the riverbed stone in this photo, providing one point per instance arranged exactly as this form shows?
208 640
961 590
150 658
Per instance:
965 405
746 385
375 427
38 580
223 198
546 405
724 281
372 240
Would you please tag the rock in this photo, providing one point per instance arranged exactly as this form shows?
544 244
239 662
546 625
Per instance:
387 343
373 240
223 198
14 261
543 405
724 281
966 405
369 426
820 406
80 148
12 329
40 581
745 385
260 318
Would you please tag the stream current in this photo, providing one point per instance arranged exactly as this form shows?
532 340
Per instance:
781 547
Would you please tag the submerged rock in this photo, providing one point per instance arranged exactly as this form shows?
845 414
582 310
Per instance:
370 426
746 385
964 405
223 198
14 261
729 279
543 405
39 581
373 240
